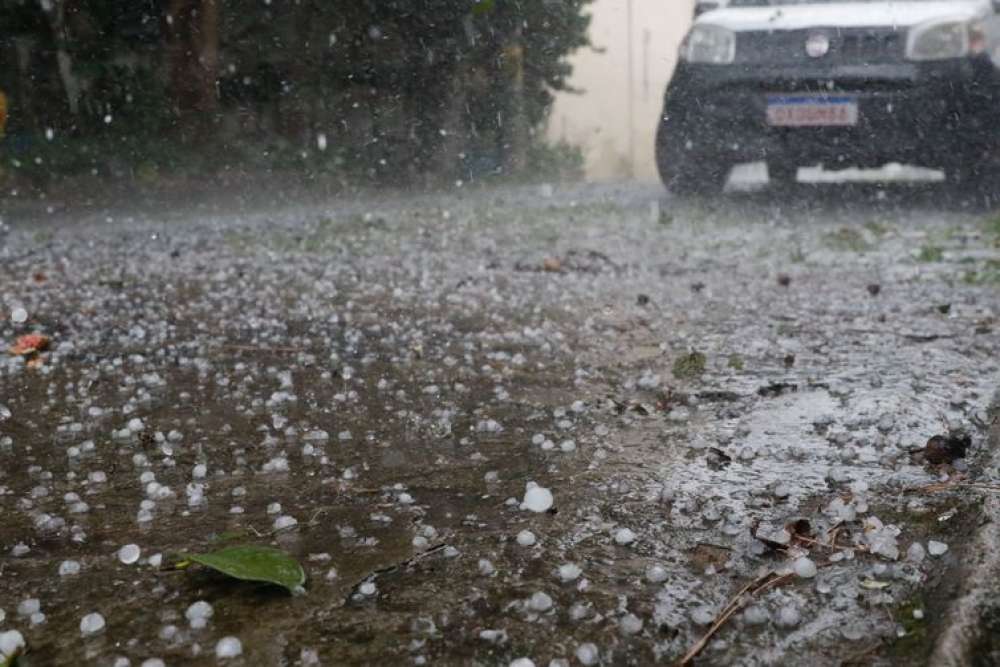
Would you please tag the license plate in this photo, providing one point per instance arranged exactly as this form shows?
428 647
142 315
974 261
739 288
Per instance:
812 110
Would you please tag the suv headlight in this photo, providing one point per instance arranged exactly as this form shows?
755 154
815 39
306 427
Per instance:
941 40
709 44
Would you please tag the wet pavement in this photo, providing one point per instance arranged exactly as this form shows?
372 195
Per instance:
720 395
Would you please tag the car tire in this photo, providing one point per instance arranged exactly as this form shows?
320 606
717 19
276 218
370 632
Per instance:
686 169
981 182
782 174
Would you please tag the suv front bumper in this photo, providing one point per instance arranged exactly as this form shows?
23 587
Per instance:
931 114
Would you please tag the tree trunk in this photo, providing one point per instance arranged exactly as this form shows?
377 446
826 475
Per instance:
193 59
516 133
55 10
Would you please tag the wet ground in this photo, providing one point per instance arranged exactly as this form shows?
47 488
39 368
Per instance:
720 395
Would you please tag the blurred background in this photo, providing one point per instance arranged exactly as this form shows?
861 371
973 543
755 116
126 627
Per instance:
613 118
161 94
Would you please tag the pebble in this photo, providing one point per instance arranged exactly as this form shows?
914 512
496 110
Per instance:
522 662
19 316
91 624
656 574
228 647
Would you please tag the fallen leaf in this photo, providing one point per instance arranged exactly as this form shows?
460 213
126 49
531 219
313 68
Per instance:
29 344
948 447
551 264
875 585
252 563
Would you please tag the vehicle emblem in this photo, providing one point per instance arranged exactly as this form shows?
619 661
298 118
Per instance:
817 45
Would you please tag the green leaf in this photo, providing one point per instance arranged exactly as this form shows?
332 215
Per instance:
482 7
265 564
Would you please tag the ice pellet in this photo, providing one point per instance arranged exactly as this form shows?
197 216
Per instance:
285 521
199 613
11 643
228 647
129 554
624 536
68 568
526 538
804 568
935 548
537 498
540 601
91 624
587 654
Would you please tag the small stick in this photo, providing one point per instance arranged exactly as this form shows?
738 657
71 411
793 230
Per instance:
759 585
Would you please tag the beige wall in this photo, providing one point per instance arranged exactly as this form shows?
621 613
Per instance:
597 119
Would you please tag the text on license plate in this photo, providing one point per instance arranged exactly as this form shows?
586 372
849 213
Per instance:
812 110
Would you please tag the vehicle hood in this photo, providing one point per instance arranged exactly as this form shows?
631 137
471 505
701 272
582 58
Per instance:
843 14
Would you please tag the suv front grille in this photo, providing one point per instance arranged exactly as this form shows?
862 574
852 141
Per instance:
865 46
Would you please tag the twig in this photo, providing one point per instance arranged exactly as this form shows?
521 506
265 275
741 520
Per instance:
763 583
859 657
945 486
374 574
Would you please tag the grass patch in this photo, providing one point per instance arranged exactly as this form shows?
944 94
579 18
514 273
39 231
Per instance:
690 366
916 640
987 274
848 239
877 229
930 253
992 229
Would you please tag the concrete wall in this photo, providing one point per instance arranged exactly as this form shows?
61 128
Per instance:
598 119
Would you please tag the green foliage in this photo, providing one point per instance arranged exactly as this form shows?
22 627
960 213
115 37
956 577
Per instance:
930 253
401 89
690 366
848 239
252 563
